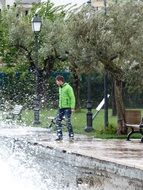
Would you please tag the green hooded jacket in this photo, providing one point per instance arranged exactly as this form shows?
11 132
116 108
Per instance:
66 96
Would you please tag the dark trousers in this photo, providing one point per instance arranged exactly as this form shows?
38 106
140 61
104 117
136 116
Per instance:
64 113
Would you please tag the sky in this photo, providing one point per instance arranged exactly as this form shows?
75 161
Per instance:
62 2
56 2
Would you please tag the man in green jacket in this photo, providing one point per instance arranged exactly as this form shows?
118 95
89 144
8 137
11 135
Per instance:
66 107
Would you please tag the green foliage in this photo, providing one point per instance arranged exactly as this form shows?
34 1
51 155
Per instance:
80 40
17 85
78 121
17 39
111 129
5 50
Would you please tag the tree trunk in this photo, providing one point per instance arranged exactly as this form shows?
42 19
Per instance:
120 108
76 86
114 110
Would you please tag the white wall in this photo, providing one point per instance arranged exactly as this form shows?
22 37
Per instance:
1 3
6 2
10 2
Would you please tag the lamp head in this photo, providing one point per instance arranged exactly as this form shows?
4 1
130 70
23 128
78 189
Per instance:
36 23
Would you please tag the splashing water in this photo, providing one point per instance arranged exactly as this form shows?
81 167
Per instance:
9 181
19 171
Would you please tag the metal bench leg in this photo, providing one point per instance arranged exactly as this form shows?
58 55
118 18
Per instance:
129 135
133 132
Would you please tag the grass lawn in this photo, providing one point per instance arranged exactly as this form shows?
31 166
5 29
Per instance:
79 122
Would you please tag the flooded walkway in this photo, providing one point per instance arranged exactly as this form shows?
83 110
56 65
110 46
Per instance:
128 153
118 157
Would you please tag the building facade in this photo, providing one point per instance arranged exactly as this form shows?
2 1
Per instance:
25 3
98 4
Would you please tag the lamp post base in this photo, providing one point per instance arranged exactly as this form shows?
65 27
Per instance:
89 127
36 117
36 122
89 114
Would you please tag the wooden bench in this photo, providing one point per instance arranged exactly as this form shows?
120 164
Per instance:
134 121
15 113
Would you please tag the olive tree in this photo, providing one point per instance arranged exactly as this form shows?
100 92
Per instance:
108 39
21 39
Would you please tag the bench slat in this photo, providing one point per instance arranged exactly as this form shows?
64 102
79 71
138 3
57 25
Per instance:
134 121
17 109
133 116
133 126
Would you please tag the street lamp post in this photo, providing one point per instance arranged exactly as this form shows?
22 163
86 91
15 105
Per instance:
36 27
106 98
89 107
105 85
105 78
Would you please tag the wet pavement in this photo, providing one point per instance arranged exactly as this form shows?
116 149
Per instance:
127 153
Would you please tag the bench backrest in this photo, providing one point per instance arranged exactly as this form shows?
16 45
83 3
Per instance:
133 116
17 109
